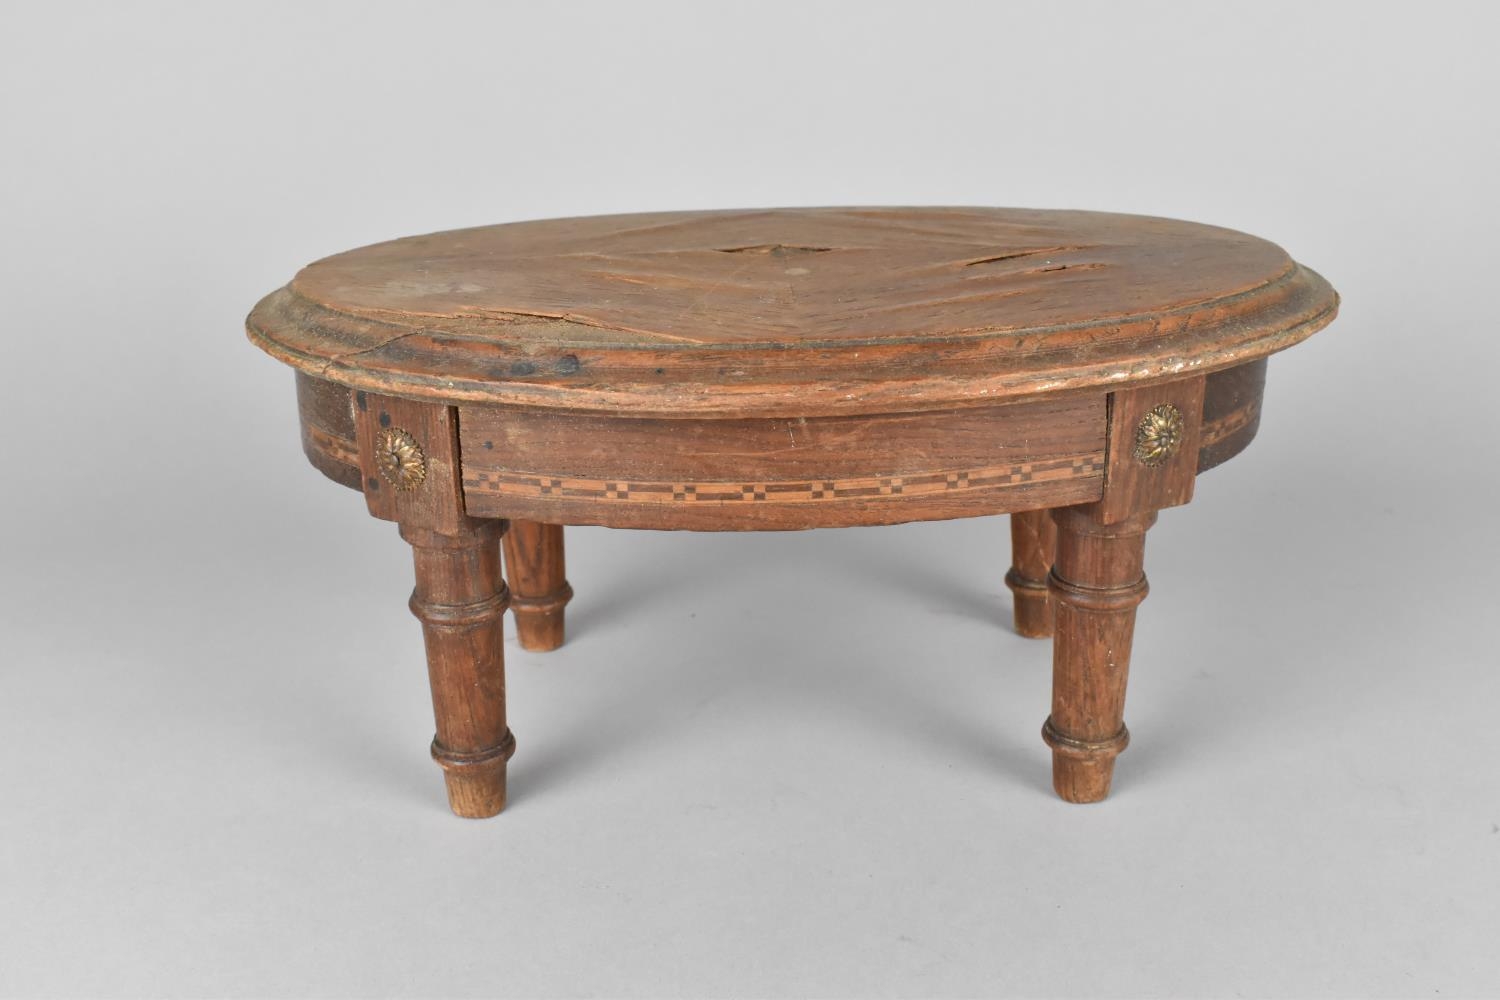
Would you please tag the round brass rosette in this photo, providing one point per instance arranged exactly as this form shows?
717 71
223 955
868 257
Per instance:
1158 435
400 459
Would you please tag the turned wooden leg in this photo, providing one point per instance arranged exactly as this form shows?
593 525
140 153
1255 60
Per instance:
1097 581
538 584
1033 540
460 599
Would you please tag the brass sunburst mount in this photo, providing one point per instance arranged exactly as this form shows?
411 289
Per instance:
400 459
1158 435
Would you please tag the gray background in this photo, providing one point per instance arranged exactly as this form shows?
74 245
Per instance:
765 764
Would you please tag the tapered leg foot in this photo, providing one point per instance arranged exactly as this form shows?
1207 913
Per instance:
1033 540
460 599
1083 770
1097 582
538 583
476 782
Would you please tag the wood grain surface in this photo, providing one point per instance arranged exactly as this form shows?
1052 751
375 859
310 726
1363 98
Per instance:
539 590
784 369
791 312
755 474
1033 545
1231 417
1097 581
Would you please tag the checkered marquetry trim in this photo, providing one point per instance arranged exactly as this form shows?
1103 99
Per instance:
527 484
1231 423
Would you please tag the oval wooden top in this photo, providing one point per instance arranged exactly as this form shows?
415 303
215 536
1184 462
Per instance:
790 312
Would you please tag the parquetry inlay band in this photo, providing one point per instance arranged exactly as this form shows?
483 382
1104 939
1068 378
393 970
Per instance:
523 484
527 484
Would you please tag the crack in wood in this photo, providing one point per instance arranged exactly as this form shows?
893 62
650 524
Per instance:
774 249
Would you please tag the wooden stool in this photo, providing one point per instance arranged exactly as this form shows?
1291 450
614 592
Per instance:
767 370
